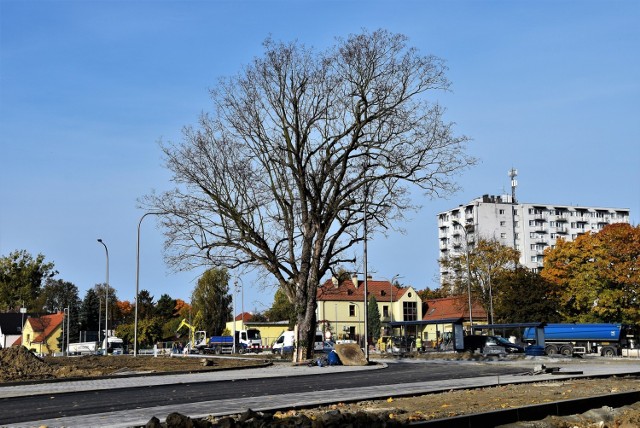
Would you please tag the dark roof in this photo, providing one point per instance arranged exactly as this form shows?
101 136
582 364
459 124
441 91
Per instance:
11 322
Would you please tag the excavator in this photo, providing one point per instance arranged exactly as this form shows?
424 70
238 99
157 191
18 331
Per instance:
197 338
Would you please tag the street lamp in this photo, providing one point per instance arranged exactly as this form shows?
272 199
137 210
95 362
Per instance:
393 278
233 308
135 322
106 302
466 249
66 315
241 286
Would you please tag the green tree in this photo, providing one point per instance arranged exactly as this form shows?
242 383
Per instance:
62 296
89 312
436 293
524 296
149 331
373 320
58 294
211 301
282 309
21 280
300 143
477 265
146 307
166 307
597 276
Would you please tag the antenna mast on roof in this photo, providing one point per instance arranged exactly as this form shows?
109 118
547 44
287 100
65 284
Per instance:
513 173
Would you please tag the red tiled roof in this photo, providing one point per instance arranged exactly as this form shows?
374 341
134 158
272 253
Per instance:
383 291
245 317
452 307
45 325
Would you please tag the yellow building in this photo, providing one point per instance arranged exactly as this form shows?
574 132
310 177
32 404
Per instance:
40 335
341 307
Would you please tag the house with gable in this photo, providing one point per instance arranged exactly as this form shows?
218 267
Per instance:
447 309
11 328
41 334
340 306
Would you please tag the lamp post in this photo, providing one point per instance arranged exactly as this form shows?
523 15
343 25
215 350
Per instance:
65 331
135 322
233 308
241 287
393 278
106 302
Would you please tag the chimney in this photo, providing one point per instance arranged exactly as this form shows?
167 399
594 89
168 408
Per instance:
354 279
335 282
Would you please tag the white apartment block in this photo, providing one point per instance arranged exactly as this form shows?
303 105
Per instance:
529 228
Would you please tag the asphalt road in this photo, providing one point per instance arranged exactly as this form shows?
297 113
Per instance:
60 405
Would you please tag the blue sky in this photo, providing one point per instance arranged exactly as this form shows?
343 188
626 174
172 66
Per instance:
88 88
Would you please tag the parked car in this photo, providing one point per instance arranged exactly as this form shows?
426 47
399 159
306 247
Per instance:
510 348
328 346
491 344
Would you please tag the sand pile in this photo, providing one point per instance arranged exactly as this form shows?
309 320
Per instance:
19 364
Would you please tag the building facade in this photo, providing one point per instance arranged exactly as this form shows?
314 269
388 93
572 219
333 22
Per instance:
340 308
529 228
41 335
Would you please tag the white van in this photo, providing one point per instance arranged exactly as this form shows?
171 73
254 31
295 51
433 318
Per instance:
284 344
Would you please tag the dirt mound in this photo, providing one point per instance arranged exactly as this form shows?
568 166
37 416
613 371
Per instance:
19 364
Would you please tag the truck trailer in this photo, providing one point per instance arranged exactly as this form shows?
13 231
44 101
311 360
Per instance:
569 339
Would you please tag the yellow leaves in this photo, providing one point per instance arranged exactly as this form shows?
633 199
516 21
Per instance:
444 406
390 400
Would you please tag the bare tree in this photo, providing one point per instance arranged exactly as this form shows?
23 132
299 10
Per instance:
277 176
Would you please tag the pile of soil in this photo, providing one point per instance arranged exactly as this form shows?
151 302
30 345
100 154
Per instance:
18 363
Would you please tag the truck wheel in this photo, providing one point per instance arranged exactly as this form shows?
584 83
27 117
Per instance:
566 350
241 350
551 349
608 351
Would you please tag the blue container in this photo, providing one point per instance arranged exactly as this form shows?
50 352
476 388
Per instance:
333 359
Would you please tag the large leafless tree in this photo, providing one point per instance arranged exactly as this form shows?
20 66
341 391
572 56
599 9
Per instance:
278 175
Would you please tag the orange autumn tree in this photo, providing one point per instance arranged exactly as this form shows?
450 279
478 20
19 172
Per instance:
597 276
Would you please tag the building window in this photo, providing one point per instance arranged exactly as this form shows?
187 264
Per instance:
385 311
501 212
409 311
503 223
503 235
352 310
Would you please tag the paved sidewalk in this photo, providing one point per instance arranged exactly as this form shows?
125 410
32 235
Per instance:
224 407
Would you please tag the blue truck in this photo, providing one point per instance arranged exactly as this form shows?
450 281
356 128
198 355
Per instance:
569 339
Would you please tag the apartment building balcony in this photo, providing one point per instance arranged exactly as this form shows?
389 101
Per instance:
562 230
540 217
539 229
561 218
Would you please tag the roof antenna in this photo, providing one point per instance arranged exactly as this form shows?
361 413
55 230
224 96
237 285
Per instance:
513 173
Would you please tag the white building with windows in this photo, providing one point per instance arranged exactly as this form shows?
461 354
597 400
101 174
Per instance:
527 227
